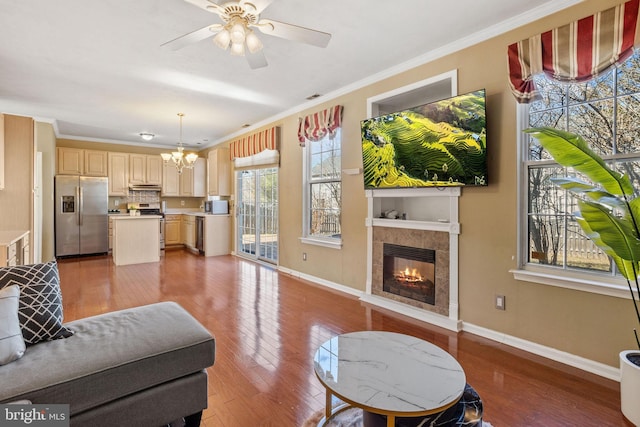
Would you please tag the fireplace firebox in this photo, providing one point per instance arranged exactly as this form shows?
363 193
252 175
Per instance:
409 272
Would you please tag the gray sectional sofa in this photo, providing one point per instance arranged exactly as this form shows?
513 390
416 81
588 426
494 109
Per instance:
143 366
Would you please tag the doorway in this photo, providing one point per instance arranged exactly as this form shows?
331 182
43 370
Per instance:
257 214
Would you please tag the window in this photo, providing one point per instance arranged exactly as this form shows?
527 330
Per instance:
323 190
605 112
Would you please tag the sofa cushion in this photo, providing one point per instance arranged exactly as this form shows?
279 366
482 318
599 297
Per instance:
40 309
110 356
11 343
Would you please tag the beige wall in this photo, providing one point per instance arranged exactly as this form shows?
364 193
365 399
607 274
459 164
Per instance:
16 198
45 142
592 326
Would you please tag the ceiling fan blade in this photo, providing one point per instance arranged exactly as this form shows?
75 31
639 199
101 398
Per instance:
256 60
193 37
206 5
257 5
294 32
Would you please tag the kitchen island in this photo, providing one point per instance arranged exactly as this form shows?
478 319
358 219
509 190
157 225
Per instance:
136 239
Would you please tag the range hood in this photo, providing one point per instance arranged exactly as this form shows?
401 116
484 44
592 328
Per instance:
145 187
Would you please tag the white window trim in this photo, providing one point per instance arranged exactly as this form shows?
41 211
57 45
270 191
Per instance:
333 243
592 282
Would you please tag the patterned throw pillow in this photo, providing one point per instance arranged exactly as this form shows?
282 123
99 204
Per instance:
11 343
40 310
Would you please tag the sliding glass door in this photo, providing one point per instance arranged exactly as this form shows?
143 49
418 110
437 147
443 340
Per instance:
257 214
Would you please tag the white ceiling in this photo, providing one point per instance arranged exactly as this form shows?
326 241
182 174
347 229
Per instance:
96 70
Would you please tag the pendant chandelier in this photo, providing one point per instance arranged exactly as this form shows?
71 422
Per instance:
180 161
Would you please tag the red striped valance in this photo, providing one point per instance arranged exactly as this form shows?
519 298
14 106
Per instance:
255 143
315 126
575 52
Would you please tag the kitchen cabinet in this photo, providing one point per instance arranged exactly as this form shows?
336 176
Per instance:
218 172
217 239
189 231
190 183
170 180
75 161
145 169
1 151
14 248
172 225
118 173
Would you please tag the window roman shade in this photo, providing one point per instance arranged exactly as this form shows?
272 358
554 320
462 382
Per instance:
255 143
575 52
315 126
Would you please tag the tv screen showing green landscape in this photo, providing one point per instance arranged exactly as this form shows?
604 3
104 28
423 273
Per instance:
440 144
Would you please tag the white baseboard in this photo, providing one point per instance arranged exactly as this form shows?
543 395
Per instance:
319 281
587 365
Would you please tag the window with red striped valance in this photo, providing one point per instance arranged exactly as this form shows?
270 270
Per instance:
255 143
315 126
575 52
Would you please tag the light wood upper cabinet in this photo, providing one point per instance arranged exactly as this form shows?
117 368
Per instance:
189 183
145 169
1 151
218 171
95 163
75 161
118 174
170 181
70 161
154 169
192 181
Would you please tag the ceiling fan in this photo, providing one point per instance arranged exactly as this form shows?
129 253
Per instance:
236 32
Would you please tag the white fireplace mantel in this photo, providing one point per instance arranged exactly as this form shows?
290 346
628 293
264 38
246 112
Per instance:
434 209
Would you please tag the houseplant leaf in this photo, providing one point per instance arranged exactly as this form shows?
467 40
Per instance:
616 233
571 150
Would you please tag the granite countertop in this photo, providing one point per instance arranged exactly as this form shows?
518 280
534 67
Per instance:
127 216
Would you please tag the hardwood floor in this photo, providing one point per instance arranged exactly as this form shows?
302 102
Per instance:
268 325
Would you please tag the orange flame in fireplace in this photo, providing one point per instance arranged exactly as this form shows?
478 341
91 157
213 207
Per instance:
409 276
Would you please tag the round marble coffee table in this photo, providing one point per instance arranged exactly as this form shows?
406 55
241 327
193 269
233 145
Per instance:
387 373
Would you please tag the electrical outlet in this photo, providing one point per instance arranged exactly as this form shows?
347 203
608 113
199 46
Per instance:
181 202
304 256
116 203
500 302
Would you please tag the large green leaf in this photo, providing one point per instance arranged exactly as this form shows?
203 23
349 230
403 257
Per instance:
571 150
597 195
615 233
628 269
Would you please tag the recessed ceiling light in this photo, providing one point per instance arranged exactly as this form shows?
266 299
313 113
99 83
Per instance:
314 96
146 136
246 125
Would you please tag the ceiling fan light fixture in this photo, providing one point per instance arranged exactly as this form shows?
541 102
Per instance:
237 33
222 39
237 49
253 42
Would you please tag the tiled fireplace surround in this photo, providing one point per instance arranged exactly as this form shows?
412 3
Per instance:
424 239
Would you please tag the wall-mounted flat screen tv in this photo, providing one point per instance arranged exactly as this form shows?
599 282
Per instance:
439 144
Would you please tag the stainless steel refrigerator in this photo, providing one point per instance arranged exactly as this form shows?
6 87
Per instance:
81 221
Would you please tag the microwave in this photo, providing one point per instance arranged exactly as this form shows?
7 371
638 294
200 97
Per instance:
216 207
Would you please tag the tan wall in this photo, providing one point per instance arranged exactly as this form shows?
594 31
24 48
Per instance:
16 198
45 142
588 325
